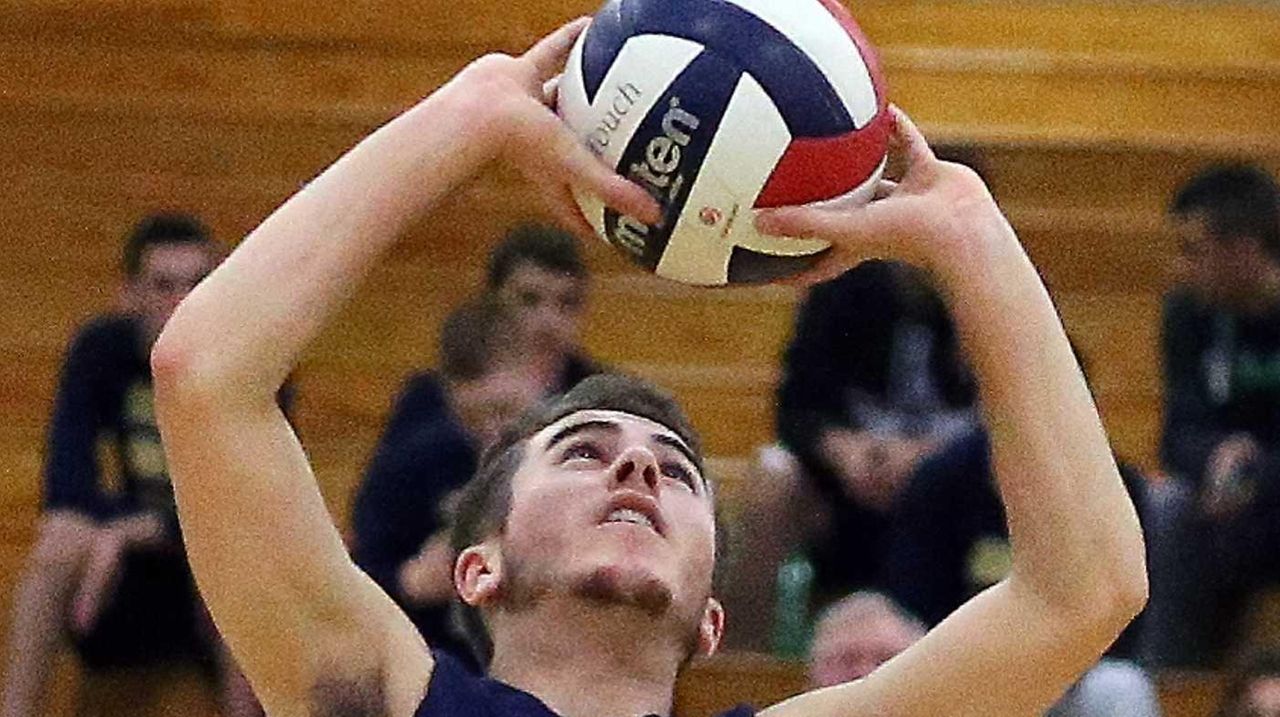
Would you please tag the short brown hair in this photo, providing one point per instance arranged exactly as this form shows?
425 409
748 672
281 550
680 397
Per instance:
545 247
161 229
484 504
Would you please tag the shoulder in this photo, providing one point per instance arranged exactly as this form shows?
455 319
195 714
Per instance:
106 331
106 340
425 387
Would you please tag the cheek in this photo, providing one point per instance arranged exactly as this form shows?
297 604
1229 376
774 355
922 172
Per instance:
544 522
698 545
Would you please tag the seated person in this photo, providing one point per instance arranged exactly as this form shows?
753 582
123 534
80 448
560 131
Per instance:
1219 534
108 568
857 634
538 273
873 381
1254 690
401 507
950 541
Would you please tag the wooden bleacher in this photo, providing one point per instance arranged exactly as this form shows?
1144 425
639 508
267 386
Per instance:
1085 115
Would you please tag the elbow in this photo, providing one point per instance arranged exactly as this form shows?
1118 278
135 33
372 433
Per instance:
1132 590
1119 595
181 370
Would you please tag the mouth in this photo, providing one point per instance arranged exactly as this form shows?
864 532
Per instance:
634 510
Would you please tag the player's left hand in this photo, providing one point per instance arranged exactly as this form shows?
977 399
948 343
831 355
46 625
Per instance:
522 90
932 216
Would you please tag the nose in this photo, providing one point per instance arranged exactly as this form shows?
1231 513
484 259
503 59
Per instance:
637 465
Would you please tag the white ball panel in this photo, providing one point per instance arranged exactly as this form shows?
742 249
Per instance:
812 28
718 215
644 68
648 64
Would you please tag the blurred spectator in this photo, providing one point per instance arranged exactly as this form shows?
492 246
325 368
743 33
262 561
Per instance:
1219 538
108 567
1255 688
858 634
950 541
401 508
872 382
538 273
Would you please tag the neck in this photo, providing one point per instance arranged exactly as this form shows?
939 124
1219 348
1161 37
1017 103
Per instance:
608 664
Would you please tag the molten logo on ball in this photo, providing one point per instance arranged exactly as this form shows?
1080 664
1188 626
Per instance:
659 172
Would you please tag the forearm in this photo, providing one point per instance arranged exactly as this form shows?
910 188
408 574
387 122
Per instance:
1074 530
245 326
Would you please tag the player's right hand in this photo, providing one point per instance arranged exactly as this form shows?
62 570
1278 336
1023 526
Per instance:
519 94
937 215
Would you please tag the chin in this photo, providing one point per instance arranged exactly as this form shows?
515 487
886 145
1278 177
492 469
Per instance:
625 586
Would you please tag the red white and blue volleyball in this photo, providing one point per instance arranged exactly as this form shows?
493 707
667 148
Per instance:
721 108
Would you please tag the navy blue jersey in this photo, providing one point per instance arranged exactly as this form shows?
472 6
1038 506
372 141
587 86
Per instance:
456 692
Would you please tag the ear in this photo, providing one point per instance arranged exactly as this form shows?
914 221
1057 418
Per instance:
477 574
710 628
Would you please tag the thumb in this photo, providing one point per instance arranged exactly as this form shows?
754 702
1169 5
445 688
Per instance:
865 231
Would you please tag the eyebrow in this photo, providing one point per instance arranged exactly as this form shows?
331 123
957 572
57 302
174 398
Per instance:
568 432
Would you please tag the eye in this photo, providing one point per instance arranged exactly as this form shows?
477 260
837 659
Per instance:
583 451
678 471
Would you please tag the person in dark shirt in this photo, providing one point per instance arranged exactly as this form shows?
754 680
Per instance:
538 273
587 540
1220 534
426 454
107 567
950 541
873 380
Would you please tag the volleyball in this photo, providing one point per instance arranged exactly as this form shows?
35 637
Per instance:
720 108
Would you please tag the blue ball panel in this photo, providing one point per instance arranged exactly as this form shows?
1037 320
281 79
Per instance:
809 104
702 92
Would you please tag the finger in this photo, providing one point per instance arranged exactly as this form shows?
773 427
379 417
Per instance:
548 56
908 145
551 90
862 225
564 209
587 171
884 189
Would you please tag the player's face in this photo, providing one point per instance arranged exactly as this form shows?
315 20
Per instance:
167 273
548 305
610 507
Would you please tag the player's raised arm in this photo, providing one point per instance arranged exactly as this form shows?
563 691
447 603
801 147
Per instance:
1078 573
306 625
